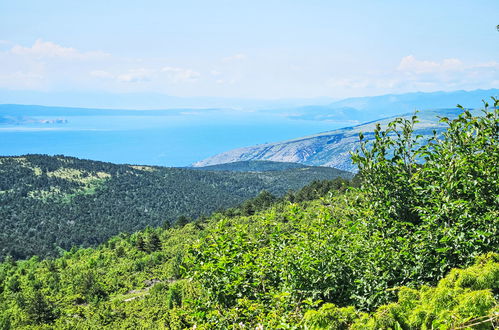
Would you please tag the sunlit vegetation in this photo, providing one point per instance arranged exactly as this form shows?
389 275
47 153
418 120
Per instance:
53 203
415 247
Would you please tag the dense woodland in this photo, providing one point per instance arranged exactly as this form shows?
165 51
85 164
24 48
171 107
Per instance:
52 203
415 247
253 166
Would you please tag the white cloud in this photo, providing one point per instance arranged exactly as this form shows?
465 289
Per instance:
237 57
173 75
102 74
348 83
135 75
45 65
23 80
130 76
411 64
47 49
225 81
412 74
490 65
178 75
447 74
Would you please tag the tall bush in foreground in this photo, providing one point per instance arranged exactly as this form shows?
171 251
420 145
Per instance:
444 190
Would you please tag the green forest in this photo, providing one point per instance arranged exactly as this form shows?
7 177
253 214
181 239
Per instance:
52 203
412 245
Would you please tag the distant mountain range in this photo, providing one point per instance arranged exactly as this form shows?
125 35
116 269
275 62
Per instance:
355 109
328 148
146 100
401 102
376 107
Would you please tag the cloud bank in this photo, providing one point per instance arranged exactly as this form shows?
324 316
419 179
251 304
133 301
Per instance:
48 66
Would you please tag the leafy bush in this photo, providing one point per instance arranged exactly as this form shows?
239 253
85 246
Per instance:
445 191
410 180
464 298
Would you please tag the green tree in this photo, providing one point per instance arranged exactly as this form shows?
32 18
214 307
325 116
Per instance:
39 310
181 221
140 244
387 166
153 242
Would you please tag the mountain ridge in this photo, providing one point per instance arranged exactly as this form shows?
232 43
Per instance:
330 148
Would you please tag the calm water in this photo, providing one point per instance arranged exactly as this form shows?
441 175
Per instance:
177 140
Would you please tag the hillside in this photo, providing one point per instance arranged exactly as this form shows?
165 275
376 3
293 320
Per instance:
293 266
52 202
255 166
328 148
414 248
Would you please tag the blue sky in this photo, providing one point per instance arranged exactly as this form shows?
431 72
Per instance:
249 49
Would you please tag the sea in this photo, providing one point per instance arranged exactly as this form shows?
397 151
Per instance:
177 140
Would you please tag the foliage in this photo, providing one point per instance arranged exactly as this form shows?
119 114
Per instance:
352 258
53 203
105 288
464 298
254 166
444 190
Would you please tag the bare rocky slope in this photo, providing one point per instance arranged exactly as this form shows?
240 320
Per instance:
330 148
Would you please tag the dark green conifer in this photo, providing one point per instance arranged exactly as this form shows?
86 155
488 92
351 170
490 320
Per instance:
153 243
140 244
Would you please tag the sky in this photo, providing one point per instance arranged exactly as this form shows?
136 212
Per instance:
248 49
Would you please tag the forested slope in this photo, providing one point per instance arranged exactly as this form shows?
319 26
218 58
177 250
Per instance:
52 202
253 166
378 257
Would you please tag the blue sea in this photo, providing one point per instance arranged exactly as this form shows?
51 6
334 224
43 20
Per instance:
179 139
